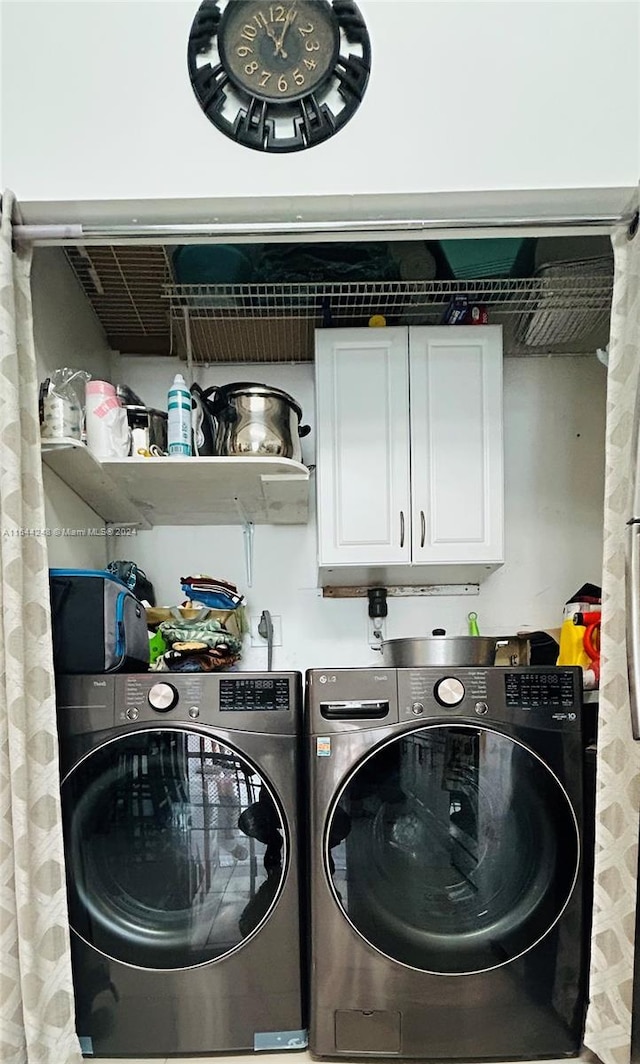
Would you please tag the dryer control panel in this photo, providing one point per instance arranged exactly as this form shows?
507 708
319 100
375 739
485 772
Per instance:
269 702
238 695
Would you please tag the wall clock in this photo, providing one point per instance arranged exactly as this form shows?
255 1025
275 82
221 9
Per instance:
279 77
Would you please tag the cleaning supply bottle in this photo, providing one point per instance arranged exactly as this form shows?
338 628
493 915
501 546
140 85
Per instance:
179 420
589 623
572 649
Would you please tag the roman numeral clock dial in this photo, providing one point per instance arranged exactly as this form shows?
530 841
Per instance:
279 77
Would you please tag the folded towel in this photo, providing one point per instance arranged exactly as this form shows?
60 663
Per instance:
212 592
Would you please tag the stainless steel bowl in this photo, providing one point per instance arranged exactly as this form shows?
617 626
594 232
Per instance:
440 650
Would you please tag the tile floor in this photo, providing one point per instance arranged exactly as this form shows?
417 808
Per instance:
585 1057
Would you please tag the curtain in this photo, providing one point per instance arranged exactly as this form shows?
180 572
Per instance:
37 1024
608 1031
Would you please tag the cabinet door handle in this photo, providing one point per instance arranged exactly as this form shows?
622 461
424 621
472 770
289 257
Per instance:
423 528
402 528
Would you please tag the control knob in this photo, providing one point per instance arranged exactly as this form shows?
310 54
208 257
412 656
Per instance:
449 692
162 697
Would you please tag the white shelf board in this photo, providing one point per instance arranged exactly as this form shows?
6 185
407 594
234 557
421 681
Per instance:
184 491
214 491
76 466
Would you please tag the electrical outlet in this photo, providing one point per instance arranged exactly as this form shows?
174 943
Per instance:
376 632
259 641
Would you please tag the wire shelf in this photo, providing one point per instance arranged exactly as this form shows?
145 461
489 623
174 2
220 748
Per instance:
124 286
348 300
276 323
565 309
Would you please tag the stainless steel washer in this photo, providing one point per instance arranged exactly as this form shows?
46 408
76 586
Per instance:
446 866
179 802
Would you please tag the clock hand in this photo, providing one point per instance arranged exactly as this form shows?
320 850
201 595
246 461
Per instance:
275 39
287 22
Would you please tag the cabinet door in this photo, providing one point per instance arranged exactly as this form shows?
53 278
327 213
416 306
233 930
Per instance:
362 426
456 443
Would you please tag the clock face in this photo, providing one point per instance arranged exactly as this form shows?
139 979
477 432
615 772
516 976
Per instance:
279 77
278 52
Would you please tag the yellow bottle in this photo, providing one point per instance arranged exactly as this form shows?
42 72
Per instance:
572 650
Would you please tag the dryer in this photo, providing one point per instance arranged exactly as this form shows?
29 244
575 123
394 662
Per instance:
180 816
446 830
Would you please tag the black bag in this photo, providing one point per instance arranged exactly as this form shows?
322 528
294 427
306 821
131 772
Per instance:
98 624
135 579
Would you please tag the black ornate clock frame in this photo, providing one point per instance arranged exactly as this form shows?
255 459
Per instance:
255 124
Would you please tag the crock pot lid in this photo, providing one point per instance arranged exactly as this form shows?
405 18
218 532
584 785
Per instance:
250 388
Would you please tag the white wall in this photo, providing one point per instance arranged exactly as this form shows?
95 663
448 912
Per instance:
554 469
463 96
66 333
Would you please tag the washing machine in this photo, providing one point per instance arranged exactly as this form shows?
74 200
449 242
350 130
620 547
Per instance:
446 831
180 814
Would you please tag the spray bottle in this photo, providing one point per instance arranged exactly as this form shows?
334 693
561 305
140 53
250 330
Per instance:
179 420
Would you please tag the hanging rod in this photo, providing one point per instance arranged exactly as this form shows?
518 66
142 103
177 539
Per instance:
225 231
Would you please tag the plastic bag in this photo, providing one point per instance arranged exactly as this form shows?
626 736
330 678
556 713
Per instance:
61 403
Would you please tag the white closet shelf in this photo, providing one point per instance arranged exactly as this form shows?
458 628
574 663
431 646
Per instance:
183 491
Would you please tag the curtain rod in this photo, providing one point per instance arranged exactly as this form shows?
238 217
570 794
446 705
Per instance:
175 233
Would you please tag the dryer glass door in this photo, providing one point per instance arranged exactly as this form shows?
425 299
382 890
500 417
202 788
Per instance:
176 848
452 849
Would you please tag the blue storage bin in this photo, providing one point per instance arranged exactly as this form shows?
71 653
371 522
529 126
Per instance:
212 264
493 257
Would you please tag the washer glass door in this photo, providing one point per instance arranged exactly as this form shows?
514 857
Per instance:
176 848
452 849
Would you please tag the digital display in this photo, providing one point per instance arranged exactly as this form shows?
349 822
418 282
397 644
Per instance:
540 689
250 694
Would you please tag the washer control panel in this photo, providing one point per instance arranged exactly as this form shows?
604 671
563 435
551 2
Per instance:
542 696
538 689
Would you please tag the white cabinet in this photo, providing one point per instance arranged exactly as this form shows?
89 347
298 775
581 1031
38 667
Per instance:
409 454
362 440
